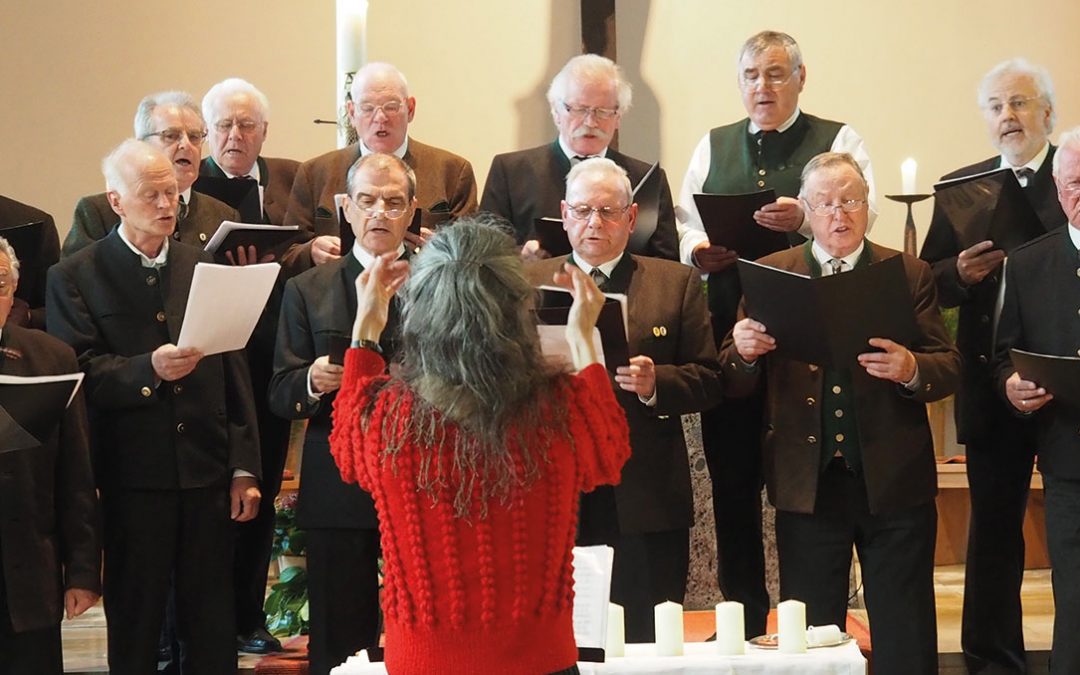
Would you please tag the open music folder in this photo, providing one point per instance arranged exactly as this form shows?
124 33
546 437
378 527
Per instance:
1058 375
989 205
729 222
828 320
32 407
267 239
554 309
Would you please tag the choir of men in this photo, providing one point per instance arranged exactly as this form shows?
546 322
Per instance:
188 450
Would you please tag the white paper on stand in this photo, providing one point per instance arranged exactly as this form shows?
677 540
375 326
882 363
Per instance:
592 591
224 305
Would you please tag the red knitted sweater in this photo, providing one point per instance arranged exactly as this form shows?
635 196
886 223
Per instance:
478 595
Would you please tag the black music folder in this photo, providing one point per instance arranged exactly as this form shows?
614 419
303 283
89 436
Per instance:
729 222
267 239
1058 375
240 193
989 205
26 239
647 197
552 237
828 320
554 308
32 407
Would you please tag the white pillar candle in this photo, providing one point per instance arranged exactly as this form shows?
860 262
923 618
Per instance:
791 622
351 20
669 629
907 175
616 631
730 628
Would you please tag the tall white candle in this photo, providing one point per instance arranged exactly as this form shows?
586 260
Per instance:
616 631
907 175
791 622
730 628
351 20
669 629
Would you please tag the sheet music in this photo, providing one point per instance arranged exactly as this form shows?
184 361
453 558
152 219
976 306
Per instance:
556 349
224 305
592 592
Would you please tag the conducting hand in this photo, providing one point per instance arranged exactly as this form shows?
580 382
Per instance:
638 377
710 258
171 362
244 498
751 340
973 264
896 363
325 248
374 288
588 300
1025 395
783 215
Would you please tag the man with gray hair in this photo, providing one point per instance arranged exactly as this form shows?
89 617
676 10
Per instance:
173 431
317 310
766 150
1017 100
849 459
380 111
1042 293
238 115
588 98
171 121
672 371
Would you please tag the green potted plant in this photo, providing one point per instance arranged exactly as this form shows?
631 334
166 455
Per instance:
286 605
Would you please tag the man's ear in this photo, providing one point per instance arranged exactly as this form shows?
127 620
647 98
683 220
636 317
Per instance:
114 201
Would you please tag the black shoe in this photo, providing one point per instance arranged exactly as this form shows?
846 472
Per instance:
258 641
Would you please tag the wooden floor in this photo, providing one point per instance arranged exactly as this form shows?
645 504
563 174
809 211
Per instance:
84 638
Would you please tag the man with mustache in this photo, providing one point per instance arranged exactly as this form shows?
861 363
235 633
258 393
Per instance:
768 149
171 121
588 98
1017 100
380 111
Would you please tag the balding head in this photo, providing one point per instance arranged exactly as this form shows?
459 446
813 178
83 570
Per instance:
381 108
142 190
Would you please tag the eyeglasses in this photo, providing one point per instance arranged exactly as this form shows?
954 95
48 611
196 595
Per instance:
608 214
849 206
171 136
770 80
390 108
392 213
1017 104
245 126
580 112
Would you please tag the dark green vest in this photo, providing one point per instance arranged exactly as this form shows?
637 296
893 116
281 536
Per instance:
839 429
745 162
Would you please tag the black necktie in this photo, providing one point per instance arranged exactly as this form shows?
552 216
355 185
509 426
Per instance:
598 277
578 159
1024 175
181 210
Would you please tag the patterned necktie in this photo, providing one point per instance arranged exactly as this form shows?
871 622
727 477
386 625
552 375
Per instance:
598 277
1024 176
836 265
181 210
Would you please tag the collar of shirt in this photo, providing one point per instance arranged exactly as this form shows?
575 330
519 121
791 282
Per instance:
607 267
399 153
365 258
1035 164
146 261
254 173
570 154
1074 234
780 129
186 196
823 257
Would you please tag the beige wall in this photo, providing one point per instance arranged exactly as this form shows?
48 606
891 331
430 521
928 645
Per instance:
902 75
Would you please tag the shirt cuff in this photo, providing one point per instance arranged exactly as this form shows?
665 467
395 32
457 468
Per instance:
649 402
915 382
240 473
312 394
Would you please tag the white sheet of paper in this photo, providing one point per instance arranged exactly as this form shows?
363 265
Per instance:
224 305
556 349
592 592
77 378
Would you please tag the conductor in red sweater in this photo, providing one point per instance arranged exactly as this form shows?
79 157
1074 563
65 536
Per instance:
475 452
